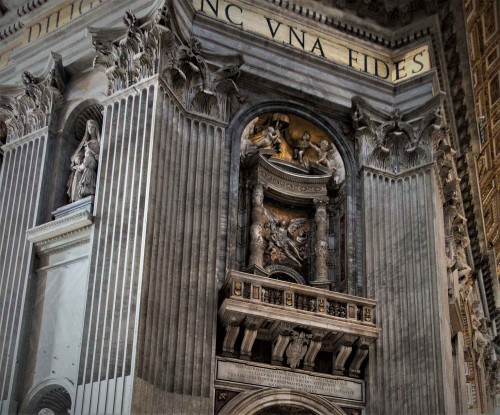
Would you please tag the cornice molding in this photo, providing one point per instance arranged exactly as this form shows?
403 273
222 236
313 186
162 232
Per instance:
352 28
58 228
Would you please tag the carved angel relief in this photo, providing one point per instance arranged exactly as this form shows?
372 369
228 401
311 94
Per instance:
292 175
287 240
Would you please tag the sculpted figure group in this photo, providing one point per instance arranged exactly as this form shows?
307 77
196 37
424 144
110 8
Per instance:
273 133
83 177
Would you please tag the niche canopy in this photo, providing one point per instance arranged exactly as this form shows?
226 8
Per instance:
291 173
294 155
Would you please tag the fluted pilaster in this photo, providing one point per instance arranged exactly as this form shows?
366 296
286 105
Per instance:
410 368
29 112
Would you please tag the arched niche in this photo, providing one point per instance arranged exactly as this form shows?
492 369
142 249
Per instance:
53 394
314 161
73 133
265 401
74 126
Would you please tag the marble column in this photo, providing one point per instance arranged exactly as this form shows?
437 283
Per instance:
410 367
29 112
320 277
256 239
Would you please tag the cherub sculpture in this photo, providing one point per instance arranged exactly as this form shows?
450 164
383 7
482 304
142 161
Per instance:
300 146
270 139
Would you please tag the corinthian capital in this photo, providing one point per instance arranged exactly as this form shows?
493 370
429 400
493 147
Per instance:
398 141
32 106
153 46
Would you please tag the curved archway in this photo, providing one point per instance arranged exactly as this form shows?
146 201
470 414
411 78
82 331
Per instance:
254 403
243 117
348 280
74 125
52 393
279 272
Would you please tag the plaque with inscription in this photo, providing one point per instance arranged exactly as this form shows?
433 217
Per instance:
257 374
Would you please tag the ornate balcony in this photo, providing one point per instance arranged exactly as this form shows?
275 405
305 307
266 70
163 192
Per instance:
299 320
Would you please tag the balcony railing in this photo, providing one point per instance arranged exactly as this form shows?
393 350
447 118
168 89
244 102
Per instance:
257 289
274 310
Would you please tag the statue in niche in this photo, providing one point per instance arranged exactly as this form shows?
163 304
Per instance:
297 348
285 239
83 177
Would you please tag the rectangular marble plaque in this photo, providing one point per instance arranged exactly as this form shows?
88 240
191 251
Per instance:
269 376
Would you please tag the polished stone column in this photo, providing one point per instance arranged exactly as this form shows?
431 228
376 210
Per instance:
320 277
257 243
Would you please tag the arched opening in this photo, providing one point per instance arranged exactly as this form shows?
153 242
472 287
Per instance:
285 410
80 155
279 401
51 396
291 201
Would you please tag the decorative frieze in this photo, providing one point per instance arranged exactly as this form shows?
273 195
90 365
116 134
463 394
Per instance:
32 106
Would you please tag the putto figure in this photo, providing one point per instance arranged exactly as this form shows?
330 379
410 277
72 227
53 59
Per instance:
83 176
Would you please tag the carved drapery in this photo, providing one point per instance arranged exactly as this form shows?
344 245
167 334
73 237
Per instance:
150 46
33 106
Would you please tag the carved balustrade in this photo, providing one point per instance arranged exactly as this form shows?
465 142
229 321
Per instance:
257 289
276 311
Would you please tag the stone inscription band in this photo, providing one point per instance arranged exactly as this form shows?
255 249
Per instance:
267 376
393 67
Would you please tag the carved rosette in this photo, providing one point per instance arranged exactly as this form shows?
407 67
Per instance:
150 46
34 105
395 142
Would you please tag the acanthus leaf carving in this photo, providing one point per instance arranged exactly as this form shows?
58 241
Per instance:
395 142
138 54
34 105
150 47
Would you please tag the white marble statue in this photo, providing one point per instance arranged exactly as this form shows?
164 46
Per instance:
83 176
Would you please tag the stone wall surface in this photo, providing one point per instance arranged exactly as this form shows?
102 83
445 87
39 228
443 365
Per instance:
167 192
